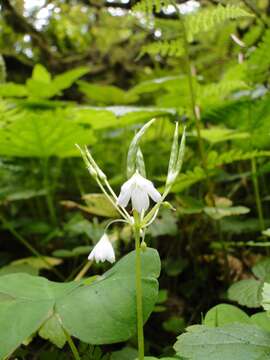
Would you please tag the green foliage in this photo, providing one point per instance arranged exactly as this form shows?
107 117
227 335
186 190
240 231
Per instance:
41 85
148 6
224 314
50 206
259 60
234 341
211 18
107 95
44 134
28 302
164 48
248 292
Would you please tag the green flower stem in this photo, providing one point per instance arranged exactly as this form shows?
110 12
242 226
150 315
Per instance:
83 271
257 194
72 346
110 199
139 287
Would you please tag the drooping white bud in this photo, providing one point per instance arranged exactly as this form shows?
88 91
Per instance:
103 251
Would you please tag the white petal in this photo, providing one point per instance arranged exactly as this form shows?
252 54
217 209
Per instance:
140 200
152 191
124 197
125 193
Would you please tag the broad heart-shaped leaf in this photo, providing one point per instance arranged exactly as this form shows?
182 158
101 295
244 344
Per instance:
106 311
25 303
223 314
99 313
246 292
228 342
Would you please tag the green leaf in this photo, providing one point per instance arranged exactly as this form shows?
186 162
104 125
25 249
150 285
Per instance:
262 320
218 213
44 134
79 250
218 134
266 232
10 89
112 300
29 302
41 84
38 263
210 18
262 270
40 73
127 353
233 341
66 79
98 204
223 314
174 48
53 331
266 296
107 94
174 324
246 292
107 305
165 224
20 268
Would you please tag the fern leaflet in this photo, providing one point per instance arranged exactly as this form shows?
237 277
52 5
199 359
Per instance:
164 48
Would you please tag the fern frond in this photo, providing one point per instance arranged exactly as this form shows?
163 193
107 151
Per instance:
210 18
213 94
259 61
216 159
164 48
189 178
149 6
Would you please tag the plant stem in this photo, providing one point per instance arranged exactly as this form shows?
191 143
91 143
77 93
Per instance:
139 290
257 193
83 271
47 187
72 346
23 241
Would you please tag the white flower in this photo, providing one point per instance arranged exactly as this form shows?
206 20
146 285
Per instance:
138 189
103 251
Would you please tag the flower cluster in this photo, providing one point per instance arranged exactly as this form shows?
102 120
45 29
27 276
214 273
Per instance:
137 189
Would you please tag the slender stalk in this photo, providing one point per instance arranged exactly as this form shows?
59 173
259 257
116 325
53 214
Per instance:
23 241
49 199
257 193
139 290
83 271
110 199
72 346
